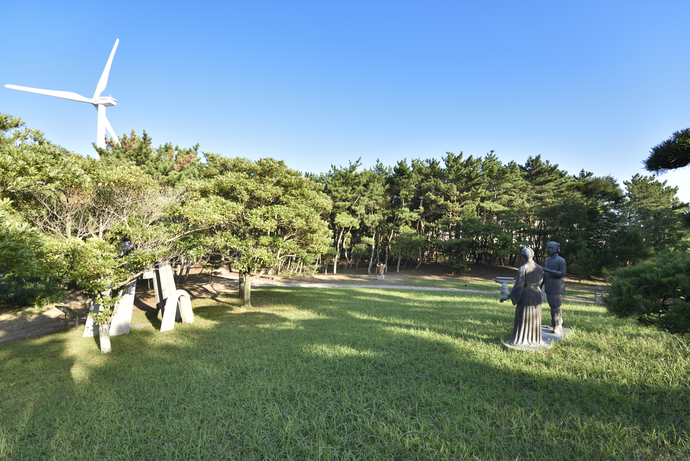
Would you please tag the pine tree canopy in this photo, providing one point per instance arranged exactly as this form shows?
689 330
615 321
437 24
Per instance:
671 154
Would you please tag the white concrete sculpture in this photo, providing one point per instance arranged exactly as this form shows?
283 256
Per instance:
172 304
89 330
178 304
163 285
121 322
122 319
98 101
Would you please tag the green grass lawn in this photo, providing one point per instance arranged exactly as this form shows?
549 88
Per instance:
573 289
349 374
460 283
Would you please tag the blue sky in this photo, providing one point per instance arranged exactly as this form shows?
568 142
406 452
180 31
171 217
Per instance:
588 85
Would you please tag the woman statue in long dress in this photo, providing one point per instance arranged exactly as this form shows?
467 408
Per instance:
527 295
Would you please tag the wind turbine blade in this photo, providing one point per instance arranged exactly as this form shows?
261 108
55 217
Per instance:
110 130
58 94
104 77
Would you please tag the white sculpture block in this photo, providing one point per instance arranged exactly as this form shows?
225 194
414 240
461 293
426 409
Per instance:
122 320
179 303
164 285
89 330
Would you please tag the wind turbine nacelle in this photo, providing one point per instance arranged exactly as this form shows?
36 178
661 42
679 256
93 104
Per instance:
107 101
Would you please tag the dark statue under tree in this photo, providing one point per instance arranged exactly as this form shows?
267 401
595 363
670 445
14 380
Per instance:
527 296
554 285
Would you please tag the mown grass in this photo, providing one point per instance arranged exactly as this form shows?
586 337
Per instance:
349 374
574 290
460 283
471 283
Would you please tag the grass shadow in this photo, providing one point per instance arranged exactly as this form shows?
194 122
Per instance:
356 374
150 313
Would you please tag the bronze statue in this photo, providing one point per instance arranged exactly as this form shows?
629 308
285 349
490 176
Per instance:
554 285
527 295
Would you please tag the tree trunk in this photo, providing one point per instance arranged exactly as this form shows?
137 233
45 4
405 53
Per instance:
246 291
104 338
388 248
373 248
337 251
421 259
186 272
241 282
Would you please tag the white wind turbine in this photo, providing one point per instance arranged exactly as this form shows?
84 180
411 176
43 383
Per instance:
98 101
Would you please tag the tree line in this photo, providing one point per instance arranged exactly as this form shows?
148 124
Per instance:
461 211
70 221
95 224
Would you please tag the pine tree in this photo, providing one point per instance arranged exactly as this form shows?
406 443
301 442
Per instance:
345 186
260 214
655 292
653 208
546 186
671 154
168 164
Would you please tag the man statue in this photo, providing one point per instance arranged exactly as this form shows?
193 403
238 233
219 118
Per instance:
554 285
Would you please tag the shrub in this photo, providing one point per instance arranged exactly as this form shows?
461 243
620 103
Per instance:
656 292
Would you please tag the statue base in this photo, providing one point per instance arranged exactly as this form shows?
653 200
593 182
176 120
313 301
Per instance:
548 337
547 334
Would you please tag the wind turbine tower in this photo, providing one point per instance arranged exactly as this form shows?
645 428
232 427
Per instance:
98 101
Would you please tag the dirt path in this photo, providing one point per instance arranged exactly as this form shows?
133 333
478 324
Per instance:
17 324
29 322
271 283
